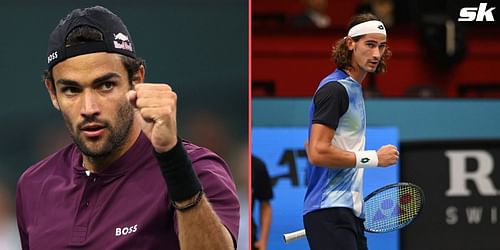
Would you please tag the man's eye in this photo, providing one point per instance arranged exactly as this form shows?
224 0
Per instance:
107 86
70 90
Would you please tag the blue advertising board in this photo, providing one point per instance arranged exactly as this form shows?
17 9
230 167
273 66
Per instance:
282 150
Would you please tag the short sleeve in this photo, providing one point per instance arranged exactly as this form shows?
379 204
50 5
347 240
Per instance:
20 219
330 103
219 187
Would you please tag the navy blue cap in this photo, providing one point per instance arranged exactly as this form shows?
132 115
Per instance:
116 38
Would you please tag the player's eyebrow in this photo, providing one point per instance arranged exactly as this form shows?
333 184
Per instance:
373 41
67 82
105 78
97 80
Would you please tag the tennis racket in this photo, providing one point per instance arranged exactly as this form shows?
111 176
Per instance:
387 209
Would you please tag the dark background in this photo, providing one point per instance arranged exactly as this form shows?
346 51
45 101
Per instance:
199 47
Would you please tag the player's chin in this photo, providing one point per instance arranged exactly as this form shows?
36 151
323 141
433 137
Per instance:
95 150
371 68
93 143
95 147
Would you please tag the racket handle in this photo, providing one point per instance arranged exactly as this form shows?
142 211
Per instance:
294 235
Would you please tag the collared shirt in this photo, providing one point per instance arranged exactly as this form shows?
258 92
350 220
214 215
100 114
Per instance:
126 206
339 104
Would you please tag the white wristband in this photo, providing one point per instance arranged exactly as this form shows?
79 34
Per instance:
366 159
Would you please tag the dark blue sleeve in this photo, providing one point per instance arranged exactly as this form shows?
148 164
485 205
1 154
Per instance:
330 103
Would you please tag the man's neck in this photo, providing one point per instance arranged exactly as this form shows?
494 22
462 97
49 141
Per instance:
98 164
356 74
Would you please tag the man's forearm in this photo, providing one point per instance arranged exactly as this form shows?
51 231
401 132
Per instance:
331 156
265 220
200 228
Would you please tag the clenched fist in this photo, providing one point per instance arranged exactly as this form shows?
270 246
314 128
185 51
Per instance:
387 155
157 105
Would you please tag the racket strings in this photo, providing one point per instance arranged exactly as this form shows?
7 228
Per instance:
392 208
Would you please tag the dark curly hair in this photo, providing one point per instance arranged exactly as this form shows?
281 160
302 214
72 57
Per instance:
342 56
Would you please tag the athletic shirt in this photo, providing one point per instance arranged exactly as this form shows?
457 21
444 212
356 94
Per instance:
126 206
338 103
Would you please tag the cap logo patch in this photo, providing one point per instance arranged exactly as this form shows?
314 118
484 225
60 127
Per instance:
51 57
122 42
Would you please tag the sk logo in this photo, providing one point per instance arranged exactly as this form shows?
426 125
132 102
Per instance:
477 14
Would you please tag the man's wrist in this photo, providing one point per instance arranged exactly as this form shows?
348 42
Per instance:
366 159
168 147
185 205
177 170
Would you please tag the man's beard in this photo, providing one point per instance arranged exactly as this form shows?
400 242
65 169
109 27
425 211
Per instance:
117 133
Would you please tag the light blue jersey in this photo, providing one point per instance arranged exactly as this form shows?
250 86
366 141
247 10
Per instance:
340 187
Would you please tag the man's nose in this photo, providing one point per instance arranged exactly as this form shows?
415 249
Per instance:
376 53
90 106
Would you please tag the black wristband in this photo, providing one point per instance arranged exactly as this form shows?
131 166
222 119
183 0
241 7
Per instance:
177 170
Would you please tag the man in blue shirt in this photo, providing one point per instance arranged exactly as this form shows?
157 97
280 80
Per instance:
333 204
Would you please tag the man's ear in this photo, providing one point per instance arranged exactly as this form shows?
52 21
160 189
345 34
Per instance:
350 43
138 77
49 85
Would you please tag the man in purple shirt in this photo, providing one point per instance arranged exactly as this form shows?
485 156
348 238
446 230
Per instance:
128 181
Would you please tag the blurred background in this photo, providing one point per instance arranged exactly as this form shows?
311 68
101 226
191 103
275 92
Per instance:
439 100
199 47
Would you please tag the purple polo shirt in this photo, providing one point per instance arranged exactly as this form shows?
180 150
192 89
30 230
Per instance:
127 206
